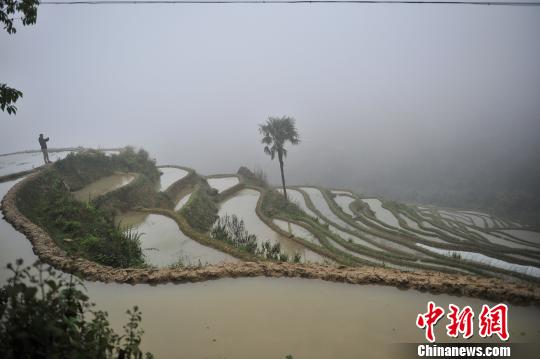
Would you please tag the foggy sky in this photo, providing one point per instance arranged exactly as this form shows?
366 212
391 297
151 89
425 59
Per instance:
380 93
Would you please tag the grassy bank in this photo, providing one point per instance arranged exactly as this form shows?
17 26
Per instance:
84 167
202 208
78 228
88 229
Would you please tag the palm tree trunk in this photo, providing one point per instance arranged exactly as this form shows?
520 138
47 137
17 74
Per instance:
280 158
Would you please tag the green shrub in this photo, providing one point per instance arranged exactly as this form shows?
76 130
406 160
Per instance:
257 177
201 209
232 230
274 203
84 167
43 314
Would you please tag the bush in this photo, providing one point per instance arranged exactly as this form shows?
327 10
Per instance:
48 316
81 168
201 209
257 177
232 230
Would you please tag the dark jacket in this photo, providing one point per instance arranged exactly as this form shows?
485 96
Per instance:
43 142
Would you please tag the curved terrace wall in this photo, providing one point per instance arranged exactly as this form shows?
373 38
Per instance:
48 251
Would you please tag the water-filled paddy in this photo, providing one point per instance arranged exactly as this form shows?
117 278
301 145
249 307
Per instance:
104 185
418 231
297 197
481 258
503 241
344 202
382 214
182 201
477 219
243 205
26 161
320 203
352 238
164 244
524 235
222 183
296 230
169 176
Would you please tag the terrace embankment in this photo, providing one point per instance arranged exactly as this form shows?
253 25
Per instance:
481 287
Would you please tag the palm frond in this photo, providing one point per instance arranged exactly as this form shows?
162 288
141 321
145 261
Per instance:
276 132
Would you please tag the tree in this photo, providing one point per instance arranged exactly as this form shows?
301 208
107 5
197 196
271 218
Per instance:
8 96
26 10
276 132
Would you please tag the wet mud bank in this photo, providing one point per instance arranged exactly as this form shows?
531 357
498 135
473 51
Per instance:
471 286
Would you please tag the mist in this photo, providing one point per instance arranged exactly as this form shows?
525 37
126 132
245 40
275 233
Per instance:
416 103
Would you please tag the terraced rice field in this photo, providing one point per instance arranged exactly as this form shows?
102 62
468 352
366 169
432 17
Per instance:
358 230
370 230
411 237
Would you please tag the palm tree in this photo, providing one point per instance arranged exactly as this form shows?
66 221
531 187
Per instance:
276 131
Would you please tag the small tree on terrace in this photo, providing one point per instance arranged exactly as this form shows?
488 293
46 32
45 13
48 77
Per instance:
276 132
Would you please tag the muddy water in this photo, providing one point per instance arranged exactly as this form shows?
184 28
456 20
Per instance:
243 205
270 318
104 185
164 244
13 244
169 176
26 161
223 183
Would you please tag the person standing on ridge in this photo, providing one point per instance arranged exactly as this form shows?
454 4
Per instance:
43 143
